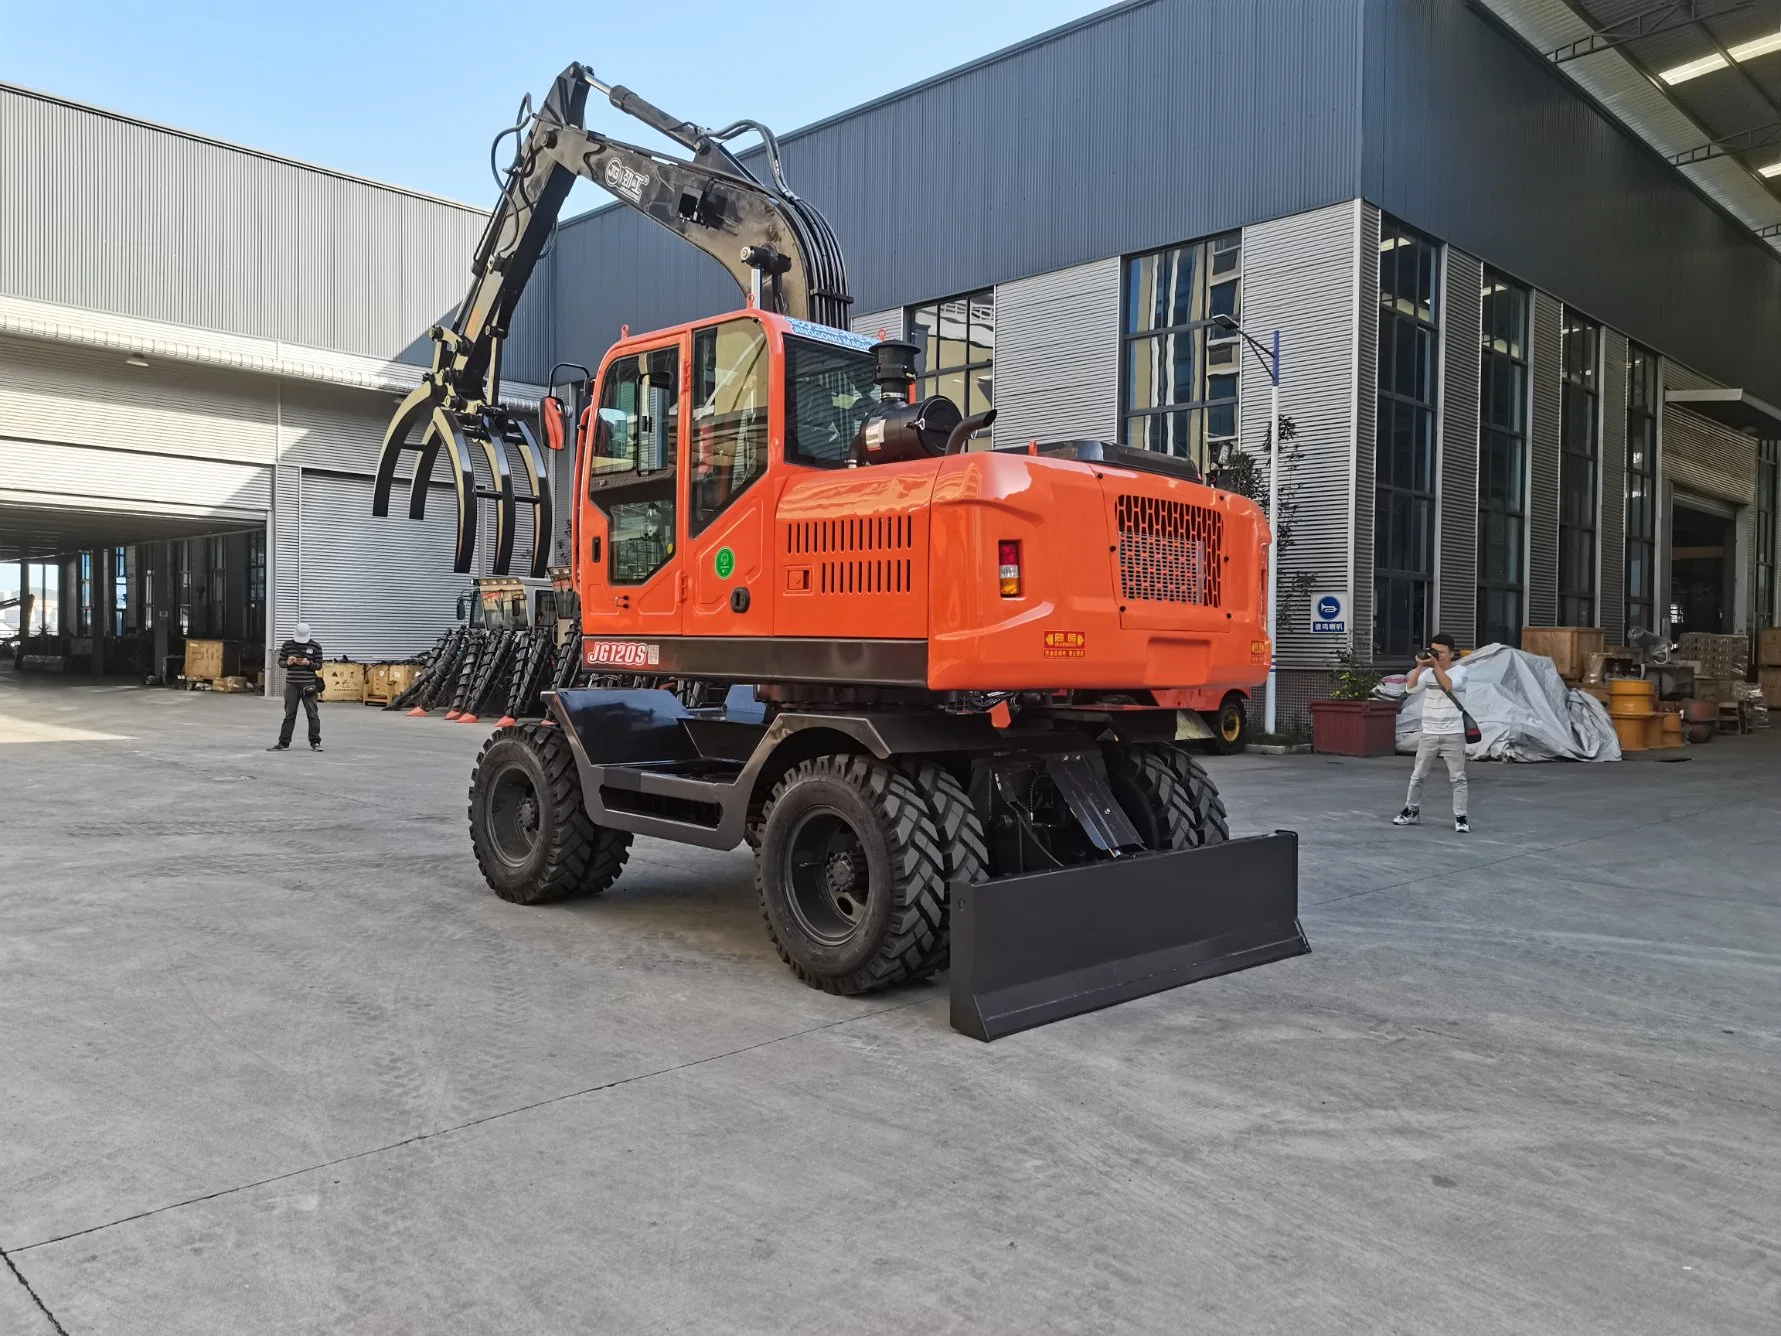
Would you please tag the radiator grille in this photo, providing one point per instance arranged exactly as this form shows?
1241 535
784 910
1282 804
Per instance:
861 555
1169 551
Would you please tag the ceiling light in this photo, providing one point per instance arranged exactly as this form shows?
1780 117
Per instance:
1693 69
136 359
1773 169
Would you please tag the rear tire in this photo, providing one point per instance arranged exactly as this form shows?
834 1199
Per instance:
851 875
1211 825
533 838
1229 725
964 850
1154 796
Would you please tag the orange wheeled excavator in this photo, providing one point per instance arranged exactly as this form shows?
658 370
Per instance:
947 688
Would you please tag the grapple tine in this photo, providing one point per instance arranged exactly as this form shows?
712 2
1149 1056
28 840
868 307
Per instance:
494 449
413 411
538 484
446 430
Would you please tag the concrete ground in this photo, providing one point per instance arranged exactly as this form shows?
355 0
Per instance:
272 1059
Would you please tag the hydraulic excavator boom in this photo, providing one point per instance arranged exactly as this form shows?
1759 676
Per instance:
777 247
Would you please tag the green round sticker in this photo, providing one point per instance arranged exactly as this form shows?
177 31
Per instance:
726 563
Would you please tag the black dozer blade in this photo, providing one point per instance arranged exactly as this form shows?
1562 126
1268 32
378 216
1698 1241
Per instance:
1035 948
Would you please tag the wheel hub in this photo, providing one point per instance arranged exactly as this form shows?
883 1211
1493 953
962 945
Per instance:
826 875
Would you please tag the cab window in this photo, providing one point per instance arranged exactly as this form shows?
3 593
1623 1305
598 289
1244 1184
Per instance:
631 462
728 449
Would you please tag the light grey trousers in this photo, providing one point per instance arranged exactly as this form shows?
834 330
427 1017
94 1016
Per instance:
1449 747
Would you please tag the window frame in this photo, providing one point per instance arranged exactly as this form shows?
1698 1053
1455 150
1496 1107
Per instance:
1768 484
1205 447
698 521
928 377
615 489
1580 384
1642 366
1417 314
1504 353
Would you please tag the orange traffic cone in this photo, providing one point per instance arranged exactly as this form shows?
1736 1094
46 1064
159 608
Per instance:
453 714
417 713
465 718
506 721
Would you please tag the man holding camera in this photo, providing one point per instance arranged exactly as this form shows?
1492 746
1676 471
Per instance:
1443 730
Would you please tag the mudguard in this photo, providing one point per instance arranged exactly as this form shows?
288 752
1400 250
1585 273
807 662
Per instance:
1031 949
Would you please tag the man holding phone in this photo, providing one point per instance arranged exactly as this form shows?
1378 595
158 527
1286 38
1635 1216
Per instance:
301 659
1443 730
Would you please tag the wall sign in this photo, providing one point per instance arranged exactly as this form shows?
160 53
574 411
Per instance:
1329 614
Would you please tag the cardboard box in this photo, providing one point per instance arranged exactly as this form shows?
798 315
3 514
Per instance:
1768 647
1569 647
1769 679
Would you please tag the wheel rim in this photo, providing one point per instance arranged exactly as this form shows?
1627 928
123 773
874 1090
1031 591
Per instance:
1231 726
825 874
514 816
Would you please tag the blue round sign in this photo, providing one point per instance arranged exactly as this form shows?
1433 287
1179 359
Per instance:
1329 607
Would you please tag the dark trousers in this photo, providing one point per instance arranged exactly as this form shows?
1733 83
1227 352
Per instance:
292 694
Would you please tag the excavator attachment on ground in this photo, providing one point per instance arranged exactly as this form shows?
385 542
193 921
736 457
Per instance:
945 688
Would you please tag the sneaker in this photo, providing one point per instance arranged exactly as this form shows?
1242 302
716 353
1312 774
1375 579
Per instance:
1410 816
1462 825
315 746
279 746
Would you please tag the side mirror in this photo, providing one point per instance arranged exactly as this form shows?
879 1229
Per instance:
555 416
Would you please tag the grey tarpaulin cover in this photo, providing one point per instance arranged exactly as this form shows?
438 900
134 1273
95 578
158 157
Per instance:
1523 708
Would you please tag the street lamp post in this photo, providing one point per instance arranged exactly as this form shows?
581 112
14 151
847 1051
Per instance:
1270 360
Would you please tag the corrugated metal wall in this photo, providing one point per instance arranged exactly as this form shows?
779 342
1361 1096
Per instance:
80 396
1461 331
1699 455
115 215
870 322
1366 417
1611 524
1142 126
1542 463
1299 276
373 604
132 479
1057 356
1473 137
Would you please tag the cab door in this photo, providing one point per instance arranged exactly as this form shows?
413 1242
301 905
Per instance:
627 566
729 561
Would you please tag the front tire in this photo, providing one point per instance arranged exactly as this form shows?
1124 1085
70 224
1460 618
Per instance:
1229 725
851 875
533 838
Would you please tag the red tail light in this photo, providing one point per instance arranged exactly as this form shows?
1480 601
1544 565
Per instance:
1008 562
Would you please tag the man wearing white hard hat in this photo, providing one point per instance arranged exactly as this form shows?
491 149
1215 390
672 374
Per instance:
301 659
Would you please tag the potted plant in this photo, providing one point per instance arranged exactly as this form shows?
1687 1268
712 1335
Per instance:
1351 722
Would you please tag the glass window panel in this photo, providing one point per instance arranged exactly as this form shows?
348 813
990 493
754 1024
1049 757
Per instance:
1224 298
1160 371
1221 387
983 325
924 322
1403 379
955 385
1226 253
729 425
952 342
1221 420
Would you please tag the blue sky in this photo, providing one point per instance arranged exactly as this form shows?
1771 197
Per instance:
412 93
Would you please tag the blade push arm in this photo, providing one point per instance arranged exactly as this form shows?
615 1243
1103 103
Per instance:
776 247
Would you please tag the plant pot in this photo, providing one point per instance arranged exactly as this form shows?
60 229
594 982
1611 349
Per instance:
1354 727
